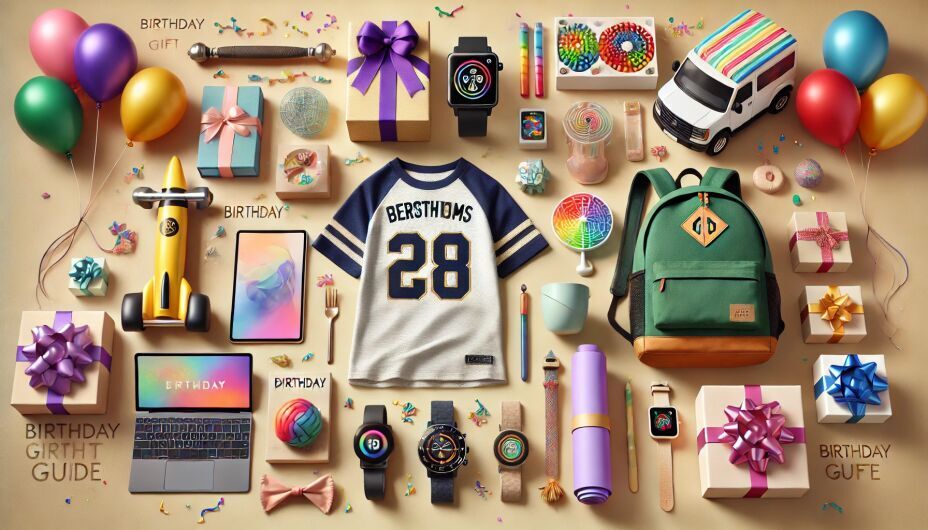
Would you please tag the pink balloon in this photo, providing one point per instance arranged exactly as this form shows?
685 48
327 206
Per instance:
52 39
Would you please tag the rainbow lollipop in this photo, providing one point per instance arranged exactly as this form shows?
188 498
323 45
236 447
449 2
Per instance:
626 47
577 48
582 222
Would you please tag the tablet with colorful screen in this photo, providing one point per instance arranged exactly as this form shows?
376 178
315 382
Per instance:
267 297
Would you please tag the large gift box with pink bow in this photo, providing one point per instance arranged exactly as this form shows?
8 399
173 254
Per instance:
388 81
819 242
63 362
230 131
751 442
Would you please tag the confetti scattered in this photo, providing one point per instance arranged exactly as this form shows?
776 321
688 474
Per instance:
797 201
287 206
307 15
660 151
67 500
409 410
233 26
410 489
260 197
349 403
187 506
282 360
834 505
320 79
268 26
299 30
162 509
359 158
324 280
451 13
211 252
288 77
126 239
308 357
782 137
220 232
348 508
220 73
135 173
776 149
481 490
46 195
518 14
499 518
331 24
481 410
212 509
682 28
797 143
477 420
104 483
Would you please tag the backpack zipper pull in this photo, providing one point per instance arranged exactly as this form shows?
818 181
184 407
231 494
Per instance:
661 288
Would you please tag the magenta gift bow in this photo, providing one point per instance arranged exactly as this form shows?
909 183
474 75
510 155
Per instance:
321 493
826 237
756 434
213 121
58 356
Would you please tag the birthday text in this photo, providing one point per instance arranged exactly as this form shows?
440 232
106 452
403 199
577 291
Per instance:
838 468
171 23
253 212
61 450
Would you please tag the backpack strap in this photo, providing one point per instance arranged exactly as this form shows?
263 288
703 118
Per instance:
727 179
663 183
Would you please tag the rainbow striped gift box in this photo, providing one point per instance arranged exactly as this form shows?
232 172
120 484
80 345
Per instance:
744 44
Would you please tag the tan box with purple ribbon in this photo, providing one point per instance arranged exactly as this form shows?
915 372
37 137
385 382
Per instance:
388 81
751 442
818 242
832 314
63 362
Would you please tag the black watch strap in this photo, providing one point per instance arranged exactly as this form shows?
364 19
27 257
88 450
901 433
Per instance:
375 479
443 490
443 413
472 122
472 45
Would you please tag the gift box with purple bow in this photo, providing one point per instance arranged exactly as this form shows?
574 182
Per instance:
63 362
751 442
851 389
388 88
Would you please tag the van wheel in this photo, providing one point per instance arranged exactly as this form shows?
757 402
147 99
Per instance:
780 101
719 143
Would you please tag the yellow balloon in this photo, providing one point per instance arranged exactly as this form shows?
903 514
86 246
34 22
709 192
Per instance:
153 103
891 110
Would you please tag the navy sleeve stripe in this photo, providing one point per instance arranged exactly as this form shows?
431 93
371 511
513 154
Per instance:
337 234
347 234
512 233
515 240
522 256
325 246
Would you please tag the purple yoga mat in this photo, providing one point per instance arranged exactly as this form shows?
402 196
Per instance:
592 460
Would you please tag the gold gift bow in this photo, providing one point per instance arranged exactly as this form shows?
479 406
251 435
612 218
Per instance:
837 309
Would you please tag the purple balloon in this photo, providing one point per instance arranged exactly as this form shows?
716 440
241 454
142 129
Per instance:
104 59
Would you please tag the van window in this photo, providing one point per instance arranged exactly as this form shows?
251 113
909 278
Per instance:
703 88
744 93
776 71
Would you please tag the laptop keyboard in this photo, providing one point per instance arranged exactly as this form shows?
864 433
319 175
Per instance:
192 438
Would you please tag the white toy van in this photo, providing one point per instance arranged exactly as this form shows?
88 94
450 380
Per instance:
746 67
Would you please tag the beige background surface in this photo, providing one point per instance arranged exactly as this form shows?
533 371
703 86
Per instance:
896 197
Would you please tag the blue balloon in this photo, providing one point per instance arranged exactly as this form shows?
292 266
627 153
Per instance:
856 45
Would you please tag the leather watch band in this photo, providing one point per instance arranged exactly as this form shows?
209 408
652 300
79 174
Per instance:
443 490
552 443
510 479
660 397
375 478
375 414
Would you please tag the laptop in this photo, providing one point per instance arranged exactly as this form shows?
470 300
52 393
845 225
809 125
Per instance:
193 423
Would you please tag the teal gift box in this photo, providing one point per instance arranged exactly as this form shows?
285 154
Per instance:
88 276
230 131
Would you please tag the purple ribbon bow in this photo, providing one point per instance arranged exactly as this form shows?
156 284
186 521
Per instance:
58 356
388 50
756 434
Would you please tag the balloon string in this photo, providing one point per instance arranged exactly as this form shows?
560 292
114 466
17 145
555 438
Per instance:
93 165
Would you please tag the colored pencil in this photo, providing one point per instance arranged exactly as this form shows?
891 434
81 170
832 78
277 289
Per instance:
630 436
539 61
523 55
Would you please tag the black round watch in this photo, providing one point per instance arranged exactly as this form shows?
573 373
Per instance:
373 444
442 450
473 84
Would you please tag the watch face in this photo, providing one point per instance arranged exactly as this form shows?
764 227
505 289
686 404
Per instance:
442 449
373 443
663 422
473 78
533 125
510 448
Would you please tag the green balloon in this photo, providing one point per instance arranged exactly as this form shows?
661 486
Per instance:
49 112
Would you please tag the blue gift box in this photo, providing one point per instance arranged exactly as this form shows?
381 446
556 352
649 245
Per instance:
230 131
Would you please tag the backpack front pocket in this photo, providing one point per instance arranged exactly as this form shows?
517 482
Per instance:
721 295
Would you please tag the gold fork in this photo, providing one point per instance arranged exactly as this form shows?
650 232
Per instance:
331 311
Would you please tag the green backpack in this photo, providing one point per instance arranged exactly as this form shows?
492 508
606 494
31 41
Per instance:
703 292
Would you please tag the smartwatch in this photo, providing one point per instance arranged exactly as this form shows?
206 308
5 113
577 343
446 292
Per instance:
473 84
511 449
373 443
664 426
442 450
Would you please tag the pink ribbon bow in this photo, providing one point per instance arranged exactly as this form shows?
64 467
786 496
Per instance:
826 237
321 493
231 121
756 434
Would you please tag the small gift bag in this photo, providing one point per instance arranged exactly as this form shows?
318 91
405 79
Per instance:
230 131
63 362
89 276
303 172
832 314
851 389
819 242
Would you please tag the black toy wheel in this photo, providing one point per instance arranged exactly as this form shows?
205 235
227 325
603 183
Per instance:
779 101
197 313
719 143
132 312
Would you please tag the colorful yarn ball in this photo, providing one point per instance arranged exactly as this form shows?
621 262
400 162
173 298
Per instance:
626 47
305 111
577 48
298 423
809 173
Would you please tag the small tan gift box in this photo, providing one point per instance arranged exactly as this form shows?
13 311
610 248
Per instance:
832 314
303 172
819 242
65 330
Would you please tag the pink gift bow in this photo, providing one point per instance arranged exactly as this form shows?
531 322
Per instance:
826 237
233 120
321 493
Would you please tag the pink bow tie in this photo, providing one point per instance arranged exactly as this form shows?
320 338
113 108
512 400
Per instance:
213 121
321 493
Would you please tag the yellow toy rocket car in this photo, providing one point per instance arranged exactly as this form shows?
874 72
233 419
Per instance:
168 299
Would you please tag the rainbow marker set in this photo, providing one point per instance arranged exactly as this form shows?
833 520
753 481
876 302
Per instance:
524 60
606 53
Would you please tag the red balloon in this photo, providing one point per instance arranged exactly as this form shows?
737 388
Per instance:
829 106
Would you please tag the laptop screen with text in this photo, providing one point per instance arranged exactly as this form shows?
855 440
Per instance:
193 382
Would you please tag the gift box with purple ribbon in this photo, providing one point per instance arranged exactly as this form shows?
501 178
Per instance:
819 242
63 362
751 442
851 389
388 88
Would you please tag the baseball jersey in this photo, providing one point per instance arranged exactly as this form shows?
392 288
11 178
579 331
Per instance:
429 244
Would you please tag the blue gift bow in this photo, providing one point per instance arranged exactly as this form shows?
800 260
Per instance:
84 271
852 384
